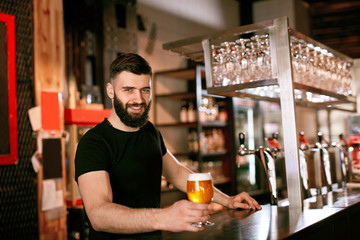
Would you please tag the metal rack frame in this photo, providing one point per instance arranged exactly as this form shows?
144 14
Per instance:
281 65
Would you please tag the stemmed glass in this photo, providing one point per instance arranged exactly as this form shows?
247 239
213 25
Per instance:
242 67
200 189
248 60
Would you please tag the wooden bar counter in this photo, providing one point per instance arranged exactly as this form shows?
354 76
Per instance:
335 215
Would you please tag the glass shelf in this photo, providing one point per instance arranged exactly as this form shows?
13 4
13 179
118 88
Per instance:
268 90
196 48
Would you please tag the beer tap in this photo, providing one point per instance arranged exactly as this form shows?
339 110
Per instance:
344 157
304 172
338 165
266 159
314 164
339 161
278 153
325 160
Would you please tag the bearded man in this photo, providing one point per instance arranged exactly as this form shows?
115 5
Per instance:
119 164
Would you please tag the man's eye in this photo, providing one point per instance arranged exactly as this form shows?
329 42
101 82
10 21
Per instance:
146 90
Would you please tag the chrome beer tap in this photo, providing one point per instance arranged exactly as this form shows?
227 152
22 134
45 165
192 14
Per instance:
304 172
325 160
339 161
266 159
278 154
344 158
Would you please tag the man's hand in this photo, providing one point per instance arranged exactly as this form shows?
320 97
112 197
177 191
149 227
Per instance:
179 216
243 200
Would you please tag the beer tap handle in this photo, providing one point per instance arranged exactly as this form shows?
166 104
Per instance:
242 138
275 135
320 138
342 139
304 142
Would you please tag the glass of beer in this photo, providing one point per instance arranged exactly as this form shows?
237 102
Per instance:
200 189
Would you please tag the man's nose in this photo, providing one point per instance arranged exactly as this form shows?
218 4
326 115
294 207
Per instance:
138 96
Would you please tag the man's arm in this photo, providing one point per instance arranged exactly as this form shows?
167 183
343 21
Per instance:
177 174
104 215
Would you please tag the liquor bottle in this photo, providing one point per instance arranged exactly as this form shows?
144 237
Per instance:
183 112
223 115
193 141
211 111
221 140
191 112
202 109
203 143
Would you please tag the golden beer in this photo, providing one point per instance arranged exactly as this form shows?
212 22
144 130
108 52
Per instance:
200 188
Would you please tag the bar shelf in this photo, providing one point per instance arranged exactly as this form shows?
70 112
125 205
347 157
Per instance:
296 70
268 90
195 49
204 143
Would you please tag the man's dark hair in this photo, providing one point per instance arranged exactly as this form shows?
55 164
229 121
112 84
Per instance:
130 62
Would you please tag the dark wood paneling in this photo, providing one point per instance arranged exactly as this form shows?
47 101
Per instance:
336 24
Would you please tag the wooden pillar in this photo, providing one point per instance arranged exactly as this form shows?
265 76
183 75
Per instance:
49 71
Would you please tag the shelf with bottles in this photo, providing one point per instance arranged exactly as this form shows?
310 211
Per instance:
210 113
183 83
191 120
215 168
210 145
209 142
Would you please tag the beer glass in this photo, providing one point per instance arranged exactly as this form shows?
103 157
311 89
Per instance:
200 189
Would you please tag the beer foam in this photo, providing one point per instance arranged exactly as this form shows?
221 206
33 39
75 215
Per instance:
199 176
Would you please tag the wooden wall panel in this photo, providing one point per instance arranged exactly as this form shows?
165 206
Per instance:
49 71
49 46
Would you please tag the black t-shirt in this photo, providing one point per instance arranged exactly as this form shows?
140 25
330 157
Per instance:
133 161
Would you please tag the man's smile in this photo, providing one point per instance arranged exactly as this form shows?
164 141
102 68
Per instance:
136 108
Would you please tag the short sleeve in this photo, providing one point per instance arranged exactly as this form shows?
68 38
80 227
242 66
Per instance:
159 138
92 154
162 144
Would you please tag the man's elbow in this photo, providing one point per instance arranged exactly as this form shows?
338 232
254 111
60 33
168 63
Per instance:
96 222
96 226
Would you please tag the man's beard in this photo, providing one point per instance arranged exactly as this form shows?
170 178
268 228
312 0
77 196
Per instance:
128 119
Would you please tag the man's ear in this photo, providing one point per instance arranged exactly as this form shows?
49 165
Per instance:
110 90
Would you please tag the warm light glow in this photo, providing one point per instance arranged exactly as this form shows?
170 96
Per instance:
200 10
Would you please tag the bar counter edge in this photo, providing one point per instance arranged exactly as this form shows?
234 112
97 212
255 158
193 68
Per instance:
334 215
